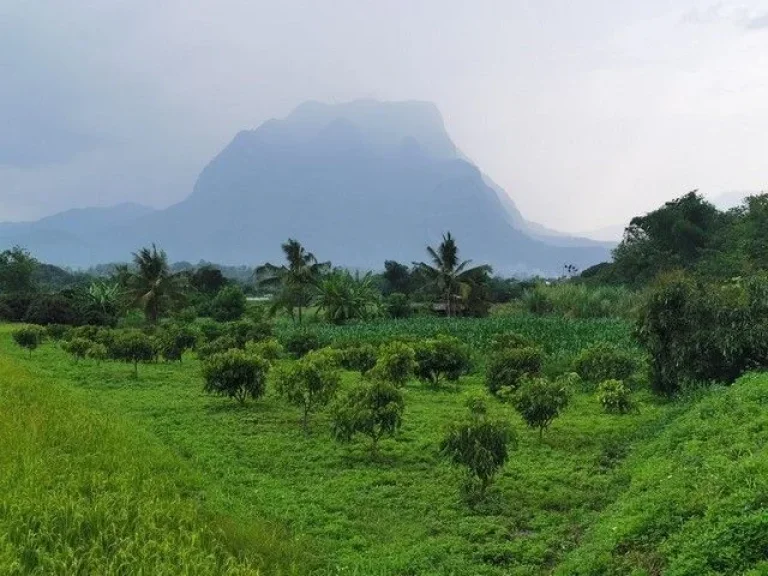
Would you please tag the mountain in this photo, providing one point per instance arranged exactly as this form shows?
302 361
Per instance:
357 183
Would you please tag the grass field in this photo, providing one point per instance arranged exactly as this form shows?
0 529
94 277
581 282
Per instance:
553 508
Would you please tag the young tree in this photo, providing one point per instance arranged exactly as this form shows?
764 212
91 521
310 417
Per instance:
447 273
374 409
152 285
309 382
540 400
507 368
441 357
29 337
480 444
396 363
229 304
295 281
133 346
77 347
236 374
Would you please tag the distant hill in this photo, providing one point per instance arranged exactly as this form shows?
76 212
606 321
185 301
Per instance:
357 183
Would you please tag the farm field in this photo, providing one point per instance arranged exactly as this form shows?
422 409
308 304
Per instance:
400 512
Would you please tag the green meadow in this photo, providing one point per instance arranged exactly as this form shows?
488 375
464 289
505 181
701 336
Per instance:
104 472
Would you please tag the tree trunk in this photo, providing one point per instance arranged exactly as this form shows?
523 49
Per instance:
305 420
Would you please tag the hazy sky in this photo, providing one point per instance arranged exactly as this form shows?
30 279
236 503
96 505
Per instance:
586 112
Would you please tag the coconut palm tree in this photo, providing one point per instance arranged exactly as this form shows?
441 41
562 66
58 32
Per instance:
295 281
151 284
450 276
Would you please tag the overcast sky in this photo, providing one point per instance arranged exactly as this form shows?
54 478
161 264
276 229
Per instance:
586 112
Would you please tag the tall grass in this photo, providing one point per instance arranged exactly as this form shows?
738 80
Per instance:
581 301
83 494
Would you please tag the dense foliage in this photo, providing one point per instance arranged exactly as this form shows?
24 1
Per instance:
236 374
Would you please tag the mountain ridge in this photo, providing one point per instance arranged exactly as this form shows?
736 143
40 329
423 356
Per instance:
358 183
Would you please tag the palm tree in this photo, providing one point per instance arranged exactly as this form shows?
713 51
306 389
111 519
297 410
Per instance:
345 297
152 285
296 281
450 276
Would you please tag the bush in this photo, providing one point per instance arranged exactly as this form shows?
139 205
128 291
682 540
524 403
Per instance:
270 349
133 346
210 330
217 346
510 341
442 357
248 330
301 342
507 369
309 382
480 444
29 337
358 356
398 305
97 352
373 409
174 340
540 400
77 347
396 363
228 304
604 361
236 374
696 332
615 397
57 331
47 309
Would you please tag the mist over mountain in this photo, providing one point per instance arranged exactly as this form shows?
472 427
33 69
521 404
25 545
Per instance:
356 183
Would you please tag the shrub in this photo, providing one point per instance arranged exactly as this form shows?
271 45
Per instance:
442 357
29 337
373 409
97 352
398 305
77 347
615 397
248 330
236 374
396 363
51 309
210 329
604 361
480 444
540 400
57 331
132 346
174 340
506 369
269 349
509 341
228 304
359 356
309 382
217 346
301 342
696 332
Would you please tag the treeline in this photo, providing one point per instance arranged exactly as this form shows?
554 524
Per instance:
692 235
150 285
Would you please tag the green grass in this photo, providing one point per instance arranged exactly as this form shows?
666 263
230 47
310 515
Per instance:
86 493
585 500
